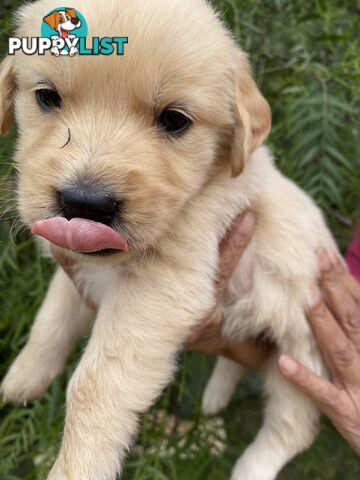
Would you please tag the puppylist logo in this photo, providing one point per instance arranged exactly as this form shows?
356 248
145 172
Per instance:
64 31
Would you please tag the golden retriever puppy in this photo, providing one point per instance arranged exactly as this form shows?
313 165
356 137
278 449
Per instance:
136 165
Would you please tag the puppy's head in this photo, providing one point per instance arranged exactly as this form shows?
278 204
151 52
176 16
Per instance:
63 21
127 141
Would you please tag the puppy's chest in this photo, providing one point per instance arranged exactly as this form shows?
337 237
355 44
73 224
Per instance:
95 281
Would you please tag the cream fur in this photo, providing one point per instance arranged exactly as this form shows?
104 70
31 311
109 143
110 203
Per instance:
180 200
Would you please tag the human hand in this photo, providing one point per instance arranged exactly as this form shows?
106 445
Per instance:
207 337
335 321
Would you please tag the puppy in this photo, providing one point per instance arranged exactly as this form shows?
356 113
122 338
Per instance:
63 21
165 150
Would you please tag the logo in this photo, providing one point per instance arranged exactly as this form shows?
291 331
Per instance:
64 31
69 26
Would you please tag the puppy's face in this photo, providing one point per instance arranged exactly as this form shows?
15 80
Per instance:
63 21
128 141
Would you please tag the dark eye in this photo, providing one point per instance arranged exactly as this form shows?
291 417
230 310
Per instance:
48 99
174 122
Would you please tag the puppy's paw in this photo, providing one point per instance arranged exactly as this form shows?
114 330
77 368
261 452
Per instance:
221 386
215 398
253 465
55 474
55 51
27 379
243 472
73 51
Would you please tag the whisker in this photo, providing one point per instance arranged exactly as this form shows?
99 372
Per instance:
68 141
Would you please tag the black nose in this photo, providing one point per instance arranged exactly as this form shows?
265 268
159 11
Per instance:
89 203
75 21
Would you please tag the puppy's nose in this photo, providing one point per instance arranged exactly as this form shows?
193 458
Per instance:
89 203
75 21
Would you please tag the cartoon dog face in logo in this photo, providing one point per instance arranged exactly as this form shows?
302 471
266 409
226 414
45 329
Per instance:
63 21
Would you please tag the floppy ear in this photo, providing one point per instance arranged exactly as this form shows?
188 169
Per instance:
51 20
7 90
252 119
71 12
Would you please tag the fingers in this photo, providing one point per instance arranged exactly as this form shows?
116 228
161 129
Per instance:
342 294
250 354
211 327
324 393
338 350
232 247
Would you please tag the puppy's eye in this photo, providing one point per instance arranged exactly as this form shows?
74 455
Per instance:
48 99
174 122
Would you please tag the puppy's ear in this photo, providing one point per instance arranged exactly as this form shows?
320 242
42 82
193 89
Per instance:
51 20
71 12
7 91
252 118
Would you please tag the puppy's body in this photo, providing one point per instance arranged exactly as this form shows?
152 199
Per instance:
180 199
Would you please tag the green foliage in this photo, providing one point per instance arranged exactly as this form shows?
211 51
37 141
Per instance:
306 60
305 56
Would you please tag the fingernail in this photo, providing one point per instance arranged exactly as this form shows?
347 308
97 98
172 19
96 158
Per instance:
287 365
324 260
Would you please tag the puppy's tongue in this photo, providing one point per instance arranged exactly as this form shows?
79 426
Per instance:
79 235
64 33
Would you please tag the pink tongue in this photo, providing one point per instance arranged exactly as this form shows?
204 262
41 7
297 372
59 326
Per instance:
64 33
79 235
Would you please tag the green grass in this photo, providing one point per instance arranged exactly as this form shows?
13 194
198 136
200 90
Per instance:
305 56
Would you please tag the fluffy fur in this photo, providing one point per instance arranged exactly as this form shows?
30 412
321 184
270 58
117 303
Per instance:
180 198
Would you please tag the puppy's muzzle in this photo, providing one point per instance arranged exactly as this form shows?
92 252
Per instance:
88 202
75 21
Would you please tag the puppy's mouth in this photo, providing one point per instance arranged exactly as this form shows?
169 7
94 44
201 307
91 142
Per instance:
64 33
80 235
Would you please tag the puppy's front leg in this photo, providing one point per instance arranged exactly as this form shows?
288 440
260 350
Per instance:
129 360
61 320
